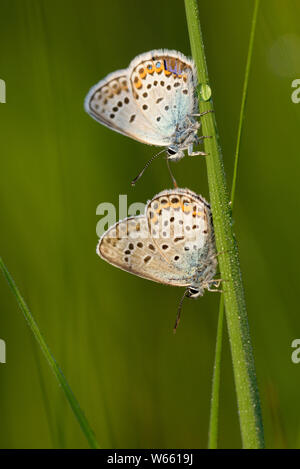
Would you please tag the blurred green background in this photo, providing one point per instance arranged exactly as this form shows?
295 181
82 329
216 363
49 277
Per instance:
139 385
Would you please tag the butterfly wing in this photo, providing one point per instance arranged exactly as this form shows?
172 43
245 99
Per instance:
112 103
180 224
129 246
148 100
163 83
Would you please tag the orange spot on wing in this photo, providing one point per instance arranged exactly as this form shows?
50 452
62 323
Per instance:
138 84
199 214
186 208
143 74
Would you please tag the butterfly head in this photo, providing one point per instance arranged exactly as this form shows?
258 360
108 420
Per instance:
174 153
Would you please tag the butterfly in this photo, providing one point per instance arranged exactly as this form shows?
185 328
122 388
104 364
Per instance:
153 101
172 243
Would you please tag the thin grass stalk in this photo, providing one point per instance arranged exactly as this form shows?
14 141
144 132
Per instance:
235 306
213 427
215 395
79 415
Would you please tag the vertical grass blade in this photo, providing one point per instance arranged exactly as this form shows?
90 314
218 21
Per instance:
244 99
235 306
84 425
213 427
214 406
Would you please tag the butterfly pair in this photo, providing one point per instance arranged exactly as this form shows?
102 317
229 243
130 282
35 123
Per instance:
154 101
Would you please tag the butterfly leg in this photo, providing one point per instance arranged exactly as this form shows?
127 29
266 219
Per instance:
218 254
214 290
202 113
215 282
202 137
195 153
171 174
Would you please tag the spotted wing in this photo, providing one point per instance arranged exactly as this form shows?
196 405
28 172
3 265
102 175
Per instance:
181 227
163 83
112 103
129 246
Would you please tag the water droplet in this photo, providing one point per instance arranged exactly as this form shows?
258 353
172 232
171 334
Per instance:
204 92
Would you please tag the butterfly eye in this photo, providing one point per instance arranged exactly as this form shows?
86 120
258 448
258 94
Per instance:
170 151
193 292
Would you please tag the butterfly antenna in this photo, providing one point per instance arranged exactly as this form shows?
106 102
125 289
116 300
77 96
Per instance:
171 174
179 310
145 167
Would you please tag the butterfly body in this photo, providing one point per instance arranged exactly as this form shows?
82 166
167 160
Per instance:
172 243
153 101
184 138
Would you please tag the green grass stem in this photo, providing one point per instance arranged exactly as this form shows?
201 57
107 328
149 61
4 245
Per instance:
84 425
215 395
235 306
213 427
